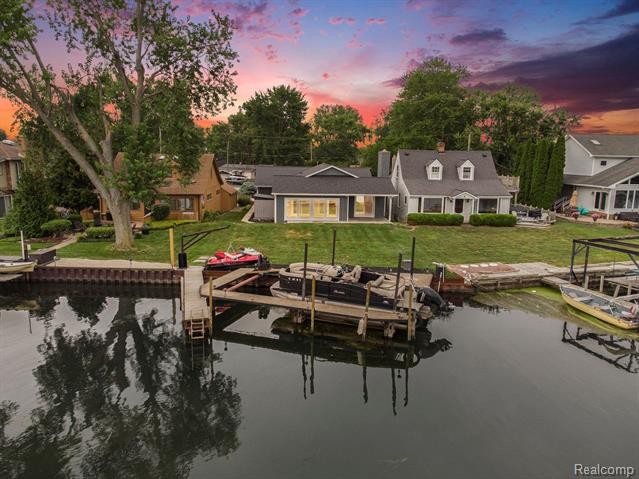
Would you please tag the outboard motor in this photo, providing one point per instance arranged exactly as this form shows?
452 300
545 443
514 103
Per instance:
430 297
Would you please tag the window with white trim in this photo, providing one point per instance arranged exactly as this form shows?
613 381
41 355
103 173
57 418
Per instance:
467 173
432 205
435 173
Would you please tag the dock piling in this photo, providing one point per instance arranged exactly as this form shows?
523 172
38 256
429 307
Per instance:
412 259
409 325
334 238
399 268
601 283
313 286
365 318
171 248
304 275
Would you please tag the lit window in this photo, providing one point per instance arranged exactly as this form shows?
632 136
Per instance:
364 206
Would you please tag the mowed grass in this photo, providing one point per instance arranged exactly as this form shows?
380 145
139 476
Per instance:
369 244
11 246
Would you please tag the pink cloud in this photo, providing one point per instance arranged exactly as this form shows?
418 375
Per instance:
336 20
375 21
350 21
326 76
299 12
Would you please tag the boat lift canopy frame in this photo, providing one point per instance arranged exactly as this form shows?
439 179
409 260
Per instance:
618 244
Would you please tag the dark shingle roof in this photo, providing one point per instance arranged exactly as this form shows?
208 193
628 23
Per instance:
264 174
332 185
10 151
485 182
608 177
609 145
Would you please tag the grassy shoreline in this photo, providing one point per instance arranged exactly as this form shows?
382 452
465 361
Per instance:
368 244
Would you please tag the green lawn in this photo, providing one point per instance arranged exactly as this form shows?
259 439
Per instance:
11 246
372 245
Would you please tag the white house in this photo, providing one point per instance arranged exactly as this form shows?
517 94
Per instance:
604 171
439 181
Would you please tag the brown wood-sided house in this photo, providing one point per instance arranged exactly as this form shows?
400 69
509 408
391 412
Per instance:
10 168
207 191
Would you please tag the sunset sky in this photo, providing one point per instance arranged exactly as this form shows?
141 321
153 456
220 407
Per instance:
582 55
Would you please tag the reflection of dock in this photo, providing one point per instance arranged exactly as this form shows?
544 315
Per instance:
622 353
337 345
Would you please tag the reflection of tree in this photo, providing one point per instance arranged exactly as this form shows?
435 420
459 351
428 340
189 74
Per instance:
176 412
87 307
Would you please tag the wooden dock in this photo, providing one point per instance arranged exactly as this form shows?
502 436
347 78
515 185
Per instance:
196 314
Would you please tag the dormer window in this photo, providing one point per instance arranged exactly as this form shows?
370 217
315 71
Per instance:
466 171
434 170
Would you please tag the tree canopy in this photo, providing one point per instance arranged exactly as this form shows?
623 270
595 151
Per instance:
337 129
276 121
432 105
145 72
3 134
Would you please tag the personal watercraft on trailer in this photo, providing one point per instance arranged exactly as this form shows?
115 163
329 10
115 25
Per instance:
230 260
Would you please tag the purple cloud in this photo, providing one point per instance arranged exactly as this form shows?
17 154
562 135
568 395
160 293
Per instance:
479 36
299 12
336 20
600 78
375 21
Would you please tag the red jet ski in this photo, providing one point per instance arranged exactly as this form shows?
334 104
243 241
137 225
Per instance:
244 258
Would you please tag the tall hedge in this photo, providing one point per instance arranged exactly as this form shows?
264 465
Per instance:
31 205
555 176
435 219
539 172
524 164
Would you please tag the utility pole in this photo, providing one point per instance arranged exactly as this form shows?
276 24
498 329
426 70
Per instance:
228 142
469 134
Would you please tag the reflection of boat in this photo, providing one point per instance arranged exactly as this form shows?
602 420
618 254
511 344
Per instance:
618 313
17 266
230 260
340 284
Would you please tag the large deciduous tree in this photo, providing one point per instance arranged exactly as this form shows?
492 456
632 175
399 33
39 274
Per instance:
336 131
276 120
432 105
514 114
142 70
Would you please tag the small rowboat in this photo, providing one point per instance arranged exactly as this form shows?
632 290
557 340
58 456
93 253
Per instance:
17 266
619 313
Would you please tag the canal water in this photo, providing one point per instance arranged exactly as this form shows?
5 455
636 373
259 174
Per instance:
97 382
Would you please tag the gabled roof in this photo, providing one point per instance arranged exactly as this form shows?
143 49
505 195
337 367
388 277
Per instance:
199 183
325 168
609 145
607 178
10 151
332 185
264 174
485 183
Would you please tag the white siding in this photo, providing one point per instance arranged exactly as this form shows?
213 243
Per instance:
504 205
578 161
597 167
400 202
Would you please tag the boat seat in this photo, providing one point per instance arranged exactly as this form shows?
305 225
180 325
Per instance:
377 282
583 299
354 275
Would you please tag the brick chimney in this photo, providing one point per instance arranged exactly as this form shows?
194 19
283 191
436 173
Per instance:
441 147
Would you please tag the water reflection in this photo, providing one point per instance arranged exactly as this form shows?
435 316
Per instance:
334 344
124 401
621 352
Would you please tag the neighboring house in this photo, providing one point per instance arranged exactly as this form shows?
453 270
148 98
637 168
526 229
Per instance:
322 193
10 168
206 192
604 171
439 181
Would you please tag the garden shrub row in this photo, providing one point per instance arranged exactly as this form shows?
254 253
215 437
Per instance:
55 227
99 233
493 219
435 219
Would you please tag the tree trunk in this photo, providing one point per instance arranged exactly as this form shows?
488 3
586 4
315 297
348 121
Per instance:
120 209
